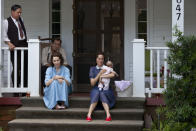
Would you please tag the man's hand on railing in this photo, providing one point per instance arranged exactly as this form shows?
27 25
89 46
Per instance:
11 46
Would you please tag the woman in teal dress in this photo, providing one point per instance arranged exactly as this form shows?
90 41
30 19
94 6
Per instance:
57 81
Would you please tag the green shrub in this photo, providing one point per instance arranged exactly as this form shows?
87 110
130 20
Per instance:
180 95
172 126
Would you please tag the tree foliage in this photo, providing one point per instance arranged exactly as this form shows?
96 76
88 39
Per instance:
180 95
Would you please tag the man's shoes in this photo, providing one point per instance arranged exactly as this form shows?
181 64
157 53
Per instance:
108 118
88 119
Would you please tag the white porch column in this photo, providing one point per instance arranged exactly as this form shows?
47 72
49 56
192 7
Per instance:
138 68
1 40
34 67
177 16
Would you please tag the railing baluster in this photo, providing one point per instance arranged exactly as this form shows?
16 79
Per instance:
8 80
8 76
165 69
1 70
155 66
158 69
22 68
15 68
151 71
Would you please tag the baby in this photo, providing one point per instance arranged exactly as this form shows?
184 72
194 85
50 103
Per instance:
104 82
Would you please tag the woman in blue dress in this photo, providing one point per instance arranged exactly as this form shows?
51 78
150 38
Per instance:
57 80
106 97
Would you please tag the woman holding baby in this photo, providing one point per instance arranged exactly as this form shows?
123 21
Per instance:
105 95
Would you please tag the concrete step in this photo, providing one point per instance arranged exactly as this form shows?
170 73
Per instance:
73 125
77 113
84 102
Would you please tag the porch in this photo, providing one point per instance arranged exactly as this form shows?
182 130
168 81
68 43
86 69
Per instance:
131 65
158 56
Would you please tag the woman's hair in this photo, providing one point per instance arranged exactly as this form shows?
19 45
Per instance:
56 54
99 53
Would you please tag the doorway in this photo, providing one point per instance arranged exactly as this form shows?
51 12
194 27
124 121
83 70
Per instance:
98 27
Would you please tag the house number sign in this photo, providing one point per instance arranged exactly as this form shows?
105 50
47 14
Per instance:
179 9
178 12
178 15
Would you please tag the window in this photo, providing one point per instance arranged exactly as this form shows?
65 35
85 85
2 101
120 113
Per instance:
55 13
141 13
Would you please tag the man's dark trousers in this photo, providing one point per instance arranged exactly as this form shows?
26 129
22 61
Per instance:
20 43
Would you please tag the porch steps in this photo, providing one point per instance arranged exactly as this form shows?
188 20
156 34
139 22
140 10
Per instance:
33 116
77 113
83 102
73 125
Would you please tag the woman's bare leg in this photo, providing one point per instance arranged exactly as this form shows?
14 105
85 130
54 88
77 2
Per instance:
91 109
107 109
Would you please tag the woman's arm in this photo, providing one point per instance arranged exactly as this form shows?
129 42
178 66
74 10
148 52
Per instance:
67 82
49 82
62 78
57 78
93 81
110 75
48 78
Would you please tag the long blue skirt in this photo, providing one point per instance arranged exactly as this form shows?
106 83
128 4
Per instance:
105 96
54 93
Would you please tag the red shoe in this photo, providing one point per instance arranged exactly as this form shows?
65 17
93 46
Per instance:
108 119
88 119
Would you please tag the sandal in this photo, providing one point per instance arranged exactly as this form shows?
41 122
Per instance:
62 107
57 107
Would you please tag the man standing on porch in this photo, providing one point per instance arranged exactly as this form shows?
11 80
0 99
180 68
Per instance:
15 36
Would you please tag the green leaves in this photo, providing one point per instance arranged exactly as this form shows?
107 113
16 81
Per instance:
180 95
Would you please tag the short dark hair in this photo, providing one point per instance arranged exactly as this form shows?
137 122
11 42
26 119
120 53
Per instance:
58 39
99 53
56 54
15 7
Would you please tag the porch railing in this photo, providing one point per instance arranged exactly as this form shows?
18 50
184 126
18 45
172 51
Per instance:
158 83
6 68
158 56
33 69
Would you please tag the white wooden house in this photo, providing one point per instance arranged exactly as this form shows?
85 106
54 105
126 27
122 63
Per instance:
116 27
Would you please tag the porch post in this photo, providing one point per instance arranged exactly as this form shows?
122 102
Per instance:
34 67
177 16
138 68
1 40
